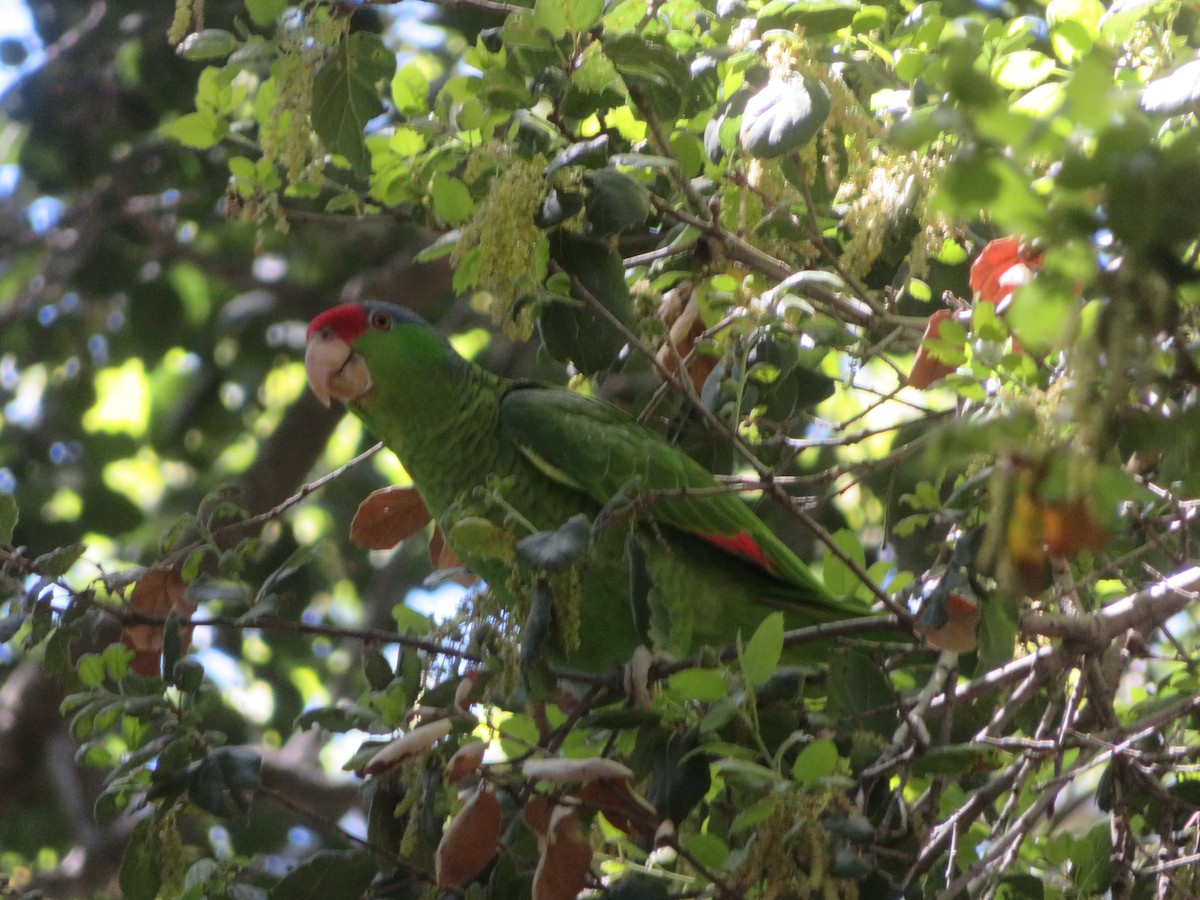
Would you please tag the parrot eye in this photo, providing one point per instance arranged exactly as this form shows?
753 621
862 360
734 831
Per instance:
380 320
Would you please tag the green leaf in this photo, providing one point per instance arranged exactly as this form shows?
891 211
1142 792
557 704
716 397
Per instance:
376 668
223 781
616 202
335 718
265 12
997 634
699 685
451 199
558 550
345 96
56 563
651 71
562 16
211 43
328 875
410 90
141 869
576 333
761 653
1091 861
1174 93
198 130
709 850
8 518
860 694
783 116
1022 69
816 761
839 577
814 16
91 669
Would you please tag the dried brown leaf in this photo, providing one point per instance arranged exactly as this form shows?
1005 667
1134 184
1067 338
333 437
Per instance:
156 593
466 760
566 858
408 746
387 517
469 842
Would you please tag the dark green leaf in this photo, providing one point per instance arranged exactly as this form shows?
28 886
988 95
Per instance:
591 154
860 697
335 718
784 116
558 550
8 518
223 781
997 633
377 669
141 869
10 625
345 94
616 202
1091 860
577 333
539 624
653 72
328 875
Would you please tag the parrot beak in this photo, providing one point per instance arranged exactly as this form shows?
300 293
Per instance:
334 370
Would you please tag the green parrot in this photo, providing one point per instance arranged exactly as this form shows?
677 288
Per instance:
678 564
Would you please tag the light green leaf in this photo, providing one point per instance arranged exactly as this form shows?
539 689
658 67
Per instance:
451 199
265 12
816 761
761 654
701 685
840 578
198 130
562 16
1023 69
410 90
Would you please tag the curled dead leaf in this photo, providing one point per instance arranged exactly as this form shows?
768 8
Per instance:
574 771
685 327
536 814
387 517
566 858
467 759
156 593
621 805
466 687
469 842
408 746
637 677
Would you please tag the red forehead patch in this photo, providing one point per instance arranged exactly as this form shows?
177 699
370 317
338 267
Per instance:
347 321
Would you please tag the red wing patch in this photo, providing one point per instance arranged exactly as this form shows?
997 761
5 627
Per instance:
742 545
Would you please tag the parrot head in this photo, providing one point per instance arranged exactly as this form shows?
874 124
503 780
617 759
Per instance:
333 365
353 347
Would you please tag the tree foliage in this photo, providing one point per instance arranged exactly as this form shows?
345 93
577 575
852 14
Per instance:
919 279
